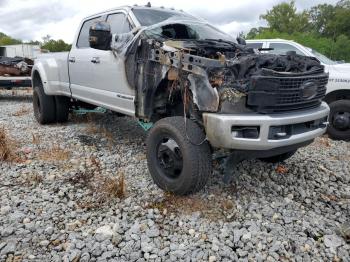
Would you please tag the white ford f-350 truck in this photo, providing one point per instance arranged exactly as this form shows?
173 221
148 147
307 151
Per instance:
338 87
198 89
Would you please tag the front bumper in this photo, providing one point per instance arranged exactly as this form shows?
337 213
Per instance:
298 127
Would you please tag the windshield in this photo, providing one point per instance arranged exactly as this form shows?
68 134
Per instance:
193 31
148 17
323 59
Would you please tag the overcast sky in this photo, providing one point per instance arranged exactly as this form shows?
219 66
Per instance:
33 19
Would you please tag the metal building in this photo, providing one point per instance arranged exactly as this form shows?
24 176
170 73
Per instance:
21 50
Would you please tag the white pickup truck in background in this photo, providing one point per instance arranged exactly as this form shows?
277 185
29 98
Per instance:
338 88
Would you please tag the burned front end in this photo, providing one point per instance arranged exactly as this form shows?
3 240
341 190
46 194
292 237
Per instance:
234 92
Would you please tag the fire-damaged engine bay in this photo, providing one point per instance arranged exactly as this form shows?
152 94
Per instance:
175 71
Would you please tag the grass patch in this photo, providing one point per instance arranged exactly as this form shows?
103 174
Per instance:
102 189
55 153
22 111
8 147
85 118
212 207
35 139
33 179
323 141
94 129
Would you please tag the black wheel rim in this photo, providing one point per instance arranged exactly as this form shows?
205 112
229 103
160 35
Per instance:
169 157
341 121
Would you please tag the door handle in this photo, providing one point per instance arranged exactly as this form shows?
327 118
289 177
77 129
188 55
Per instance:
72 59
95 60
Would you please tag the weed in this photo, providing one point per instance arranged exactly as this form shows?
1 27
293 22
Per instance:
81 178
323 141
92 128
33 179
55 153
85 118
22 111
102 188
207 207
7 147
35 139
113 187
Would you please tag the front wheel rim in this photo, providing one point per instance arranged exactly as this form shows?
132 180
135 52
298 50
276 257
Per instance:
169 157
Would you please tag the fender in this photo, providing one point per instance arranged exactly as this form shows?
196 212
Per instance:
53 72
38 69
338 94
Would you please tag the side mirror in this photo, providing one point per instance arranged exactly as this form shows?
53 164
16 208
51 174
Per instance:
241 41
100 36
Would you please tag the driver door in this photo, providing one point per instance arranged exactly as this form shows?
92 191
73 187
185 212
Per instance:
97 76
108 70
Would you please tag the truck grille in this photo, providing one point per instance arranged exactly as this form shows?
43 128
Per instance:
270 94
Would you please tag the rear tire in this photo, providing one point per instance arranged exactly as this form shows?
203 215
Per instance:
62 108
278 158
44 106
339 120
176 164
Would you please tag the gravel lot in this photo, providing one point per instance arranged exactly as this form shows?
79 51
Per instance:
63 199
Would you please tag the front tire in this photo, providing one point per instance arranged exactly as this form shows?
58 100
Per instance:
44 106
339 120
178 159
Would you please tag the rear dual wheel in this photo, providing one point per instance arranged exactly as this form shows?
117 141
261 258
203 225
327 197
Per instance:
49 109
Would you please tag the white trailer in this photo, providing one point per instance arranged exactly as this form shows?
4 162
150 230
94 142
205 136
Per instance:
21 50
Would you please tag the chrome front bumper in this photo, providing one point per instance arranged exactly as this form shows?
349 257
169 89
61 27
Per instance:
219 132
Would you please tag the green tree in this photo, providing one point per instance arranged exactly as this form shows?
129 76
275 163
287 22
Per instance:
344 4
284 18
341 48
56 45
33 42
255 32
320 17
46 39
7 40
340 23
331 21
48 43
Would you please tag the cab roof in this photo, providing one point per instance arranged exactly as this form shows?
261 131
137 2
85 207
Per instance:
129 8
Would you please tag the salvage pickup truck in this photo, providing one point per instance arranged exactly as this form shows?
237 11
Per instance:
195 87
